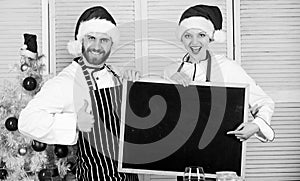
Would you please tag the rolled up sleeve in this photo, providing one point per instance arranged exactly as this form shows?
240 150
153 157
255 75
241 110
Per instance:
262 108
260 104
45 118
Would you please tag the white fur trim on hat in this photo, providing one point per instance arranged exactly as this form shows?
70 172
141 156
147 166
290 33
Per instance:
101 26
75 48
29 54
93 25
197 22
219 36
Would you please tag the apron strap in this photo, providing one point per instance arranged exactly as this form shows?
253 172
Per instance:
85 73
114 73
87 76
208 70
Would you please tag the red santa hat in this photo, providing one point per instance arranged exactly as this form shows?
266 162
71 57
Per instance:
30 45
95 19
204 17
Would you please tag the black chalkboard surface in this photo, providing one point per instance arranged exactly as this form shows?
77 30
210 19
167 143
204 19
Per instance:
166 127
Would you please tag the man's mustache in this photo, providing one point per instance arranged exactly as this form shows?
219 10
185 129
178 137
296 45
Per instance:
97 50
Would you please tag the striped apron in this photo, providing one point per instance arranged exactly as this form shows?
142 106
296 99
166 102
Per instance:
98 150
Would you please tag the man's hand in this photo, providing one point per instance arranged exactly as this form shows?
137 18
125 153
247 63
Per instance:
245 131
131 75
85 120
181 78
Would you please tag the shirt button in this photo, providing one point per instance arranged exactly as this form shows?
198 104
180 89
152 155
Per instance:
97 78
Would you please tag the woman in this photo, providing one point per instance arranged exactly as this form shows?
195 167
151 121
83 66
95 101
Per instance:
198 27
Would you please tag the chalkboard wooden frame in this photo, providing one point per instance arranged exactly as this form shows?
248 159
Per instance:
122 167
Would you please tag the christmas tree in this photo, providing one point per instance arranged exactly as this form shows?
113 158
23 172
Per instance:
22 158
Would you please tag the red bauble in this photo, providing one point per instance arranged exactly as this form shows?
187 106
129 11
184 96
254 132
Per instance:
45 175
3 174
49 174
61 151
11 124
29 83
38 146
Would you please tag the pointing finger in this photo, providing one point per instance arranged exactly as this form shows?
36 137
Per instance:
235 132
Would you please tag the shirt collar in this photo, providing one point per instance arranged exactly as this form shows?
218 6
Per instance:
89 66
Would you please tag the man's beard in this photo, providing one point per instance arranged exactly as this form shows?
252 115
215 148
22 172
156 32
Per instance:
95 60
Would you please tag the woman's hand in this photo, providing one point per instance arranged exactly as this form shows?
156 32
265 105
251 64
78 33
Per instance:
245 131
181 78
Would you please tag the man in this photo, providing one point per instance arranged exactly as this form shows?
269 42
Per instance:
82 102
198 27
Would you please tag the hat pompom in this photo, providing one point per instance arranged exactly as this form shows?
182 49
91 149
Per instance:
75 48
219 36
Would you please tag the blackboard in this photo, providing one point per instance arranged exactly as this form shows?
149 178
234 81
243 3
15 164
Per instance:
166 127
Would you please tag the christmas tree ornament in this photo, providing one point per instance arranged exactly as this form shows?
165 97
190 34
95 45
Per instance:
29 83
71 167
45 175
49 174
22 151
3 174
11 124
38 146
61 151
31 46
24 67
